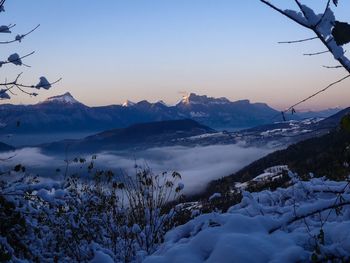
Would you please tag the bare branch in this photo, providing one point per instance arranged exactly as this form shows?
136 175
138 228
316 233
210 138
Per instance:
297 41
17 60
2 2
332 66
316 53
9 86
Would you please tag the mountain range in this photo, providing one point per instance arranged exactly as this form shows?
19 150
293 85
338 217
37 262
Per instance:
137 136
190 133
64 113
326 155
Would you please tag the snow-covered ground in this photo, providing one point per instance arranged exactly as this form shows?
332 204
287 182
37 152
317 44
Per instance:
294 128
291 224
269 174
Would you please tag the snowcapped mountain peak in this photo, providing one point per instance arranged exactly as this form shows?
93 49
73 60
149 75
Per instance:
186 99
65 98
193 98
128 103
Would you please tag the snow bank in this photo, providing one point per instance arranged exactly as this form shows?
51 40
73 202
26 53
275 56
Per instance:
263 228
101 257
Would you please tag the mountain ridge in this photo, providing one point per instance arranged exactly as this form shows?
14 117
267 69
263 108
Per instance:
140 135
63 113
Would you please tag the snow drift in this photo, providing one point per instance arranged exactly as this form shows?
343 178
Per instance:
308 220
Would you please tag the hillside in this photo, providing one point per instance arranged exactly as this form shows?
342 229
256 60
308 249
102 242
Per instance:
328 155
136 136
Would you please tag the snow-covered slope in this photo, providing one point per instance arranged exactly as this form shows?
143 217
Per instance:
204 100
65 98
288 225
128 103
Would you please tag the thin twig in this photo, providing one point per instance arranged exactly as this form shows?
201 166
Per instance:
297 41
316 53
332 66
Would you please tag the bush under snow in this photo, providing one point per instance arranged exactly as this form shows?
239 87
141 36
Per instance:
308 221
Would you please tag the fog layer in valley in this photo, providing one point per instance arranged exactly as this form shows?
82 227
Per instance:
197 165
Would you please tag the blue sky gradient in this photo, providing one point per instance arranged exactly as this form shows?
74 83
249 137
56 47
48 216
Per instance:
111 50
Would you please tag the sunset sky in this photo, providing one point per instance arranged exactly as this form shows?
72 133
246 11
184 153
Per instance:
111 50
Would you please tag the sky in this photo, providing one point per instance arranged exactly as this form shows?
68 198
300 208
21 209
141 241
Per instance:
109 51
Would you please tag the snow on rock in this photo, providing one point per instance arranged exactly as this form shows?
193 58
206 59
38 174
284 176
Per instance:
66 98
276 169
128 103
262 228
294 128
205 135
270 174
192 99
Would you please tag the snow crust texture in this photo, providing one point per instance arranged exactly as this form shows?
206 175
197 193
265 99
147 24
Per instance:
279 226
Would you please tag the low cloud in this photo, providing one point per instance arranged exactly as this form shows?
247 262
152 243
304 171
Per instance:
31 157
197 165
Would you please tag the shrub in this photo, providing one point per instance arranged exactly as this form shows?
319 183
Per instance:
122 216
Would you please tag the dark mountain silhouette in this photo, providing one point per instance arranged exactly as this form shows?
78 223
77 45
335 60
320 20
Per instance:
66 114
222 113
5 147
333 120
328 155
135 136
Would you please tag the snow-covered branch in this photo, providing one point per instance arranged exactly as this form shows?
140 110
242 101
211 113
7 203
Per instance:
8 86
323 25
19 37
